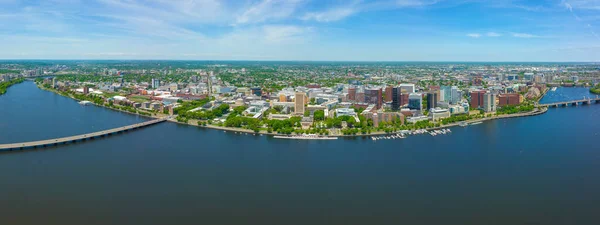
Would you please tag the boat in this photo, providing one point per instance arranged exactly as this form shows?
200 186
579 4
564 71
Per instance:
85 103
475 123
306 137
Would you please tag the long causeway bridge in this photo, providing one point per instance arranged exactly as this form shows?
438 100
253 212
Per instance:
73 139
585 101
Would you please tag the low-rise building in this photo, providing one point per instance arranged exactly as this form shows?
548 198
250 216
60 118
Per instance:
437 114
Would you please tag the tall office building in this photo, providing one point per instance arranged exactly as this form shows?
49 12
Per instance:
352 94
407 88
374 96
299 101
396 98
415 101
388 93
477 99
455 94
155 83
447 93
489 102
399 99
431 100
256 91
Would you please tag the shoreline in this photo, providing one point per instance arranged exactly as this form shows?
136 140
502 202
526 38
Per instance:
102 106
262 132
378 133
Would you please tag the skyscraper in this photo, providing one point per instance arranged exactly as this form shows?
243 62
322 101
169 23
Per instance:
388 93
256 91
352 94
415 101
447 90
489 102
431 100
398 98
477 99
407 88
299 102
155 83
455 94
374 96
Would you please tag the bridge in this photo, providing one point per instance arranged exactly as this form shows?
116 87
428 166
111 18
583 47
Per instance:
73 139
584 101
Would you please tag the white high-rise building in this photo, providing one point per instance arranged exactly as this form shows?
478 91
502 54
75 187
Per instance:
489 102
456 95
155 83
407 88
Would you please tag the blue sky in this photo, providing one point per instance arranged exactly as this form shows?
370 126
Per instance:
350 30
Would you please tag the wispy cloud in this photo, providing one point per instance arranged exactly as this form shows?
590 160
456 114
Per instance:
474 35
357 6
330 15
493 34
581 4
524 35
268 9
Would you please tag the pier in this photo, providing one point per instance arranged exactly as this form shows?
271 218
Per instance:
75 138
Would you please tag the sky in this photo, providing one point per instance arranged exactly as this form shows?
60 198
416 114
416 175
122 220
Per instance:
314 30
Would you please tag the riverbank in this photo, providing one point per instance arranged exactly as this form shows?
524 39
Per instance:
6 84
377 133
336 134
115 109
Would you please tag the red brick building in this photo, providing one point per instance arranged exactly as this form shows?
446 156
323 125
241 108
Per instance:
388 93
352 94
477 99
509 99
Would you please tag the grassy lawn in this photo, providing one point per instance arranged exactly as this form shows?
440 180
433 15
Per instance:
139 99
110 94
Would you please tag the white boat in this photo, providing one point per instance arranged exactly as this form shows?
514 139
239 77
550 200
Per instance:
475 123
85 103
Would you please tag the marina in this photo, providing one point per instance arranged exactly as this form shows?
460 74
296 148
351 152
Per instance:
404 133
306 137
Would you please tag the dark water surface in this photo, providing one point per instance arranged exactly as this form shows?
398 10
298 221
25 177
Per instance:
534 170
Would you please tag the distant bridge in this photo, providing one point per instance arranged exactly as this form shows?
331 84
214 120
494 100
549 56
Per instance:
584 101
73 139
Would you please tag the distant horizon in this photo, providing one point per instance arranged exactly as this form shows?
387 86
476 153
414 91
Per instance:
316 61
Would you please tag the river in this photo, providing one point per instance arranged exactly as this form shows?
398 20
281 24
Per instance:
530 170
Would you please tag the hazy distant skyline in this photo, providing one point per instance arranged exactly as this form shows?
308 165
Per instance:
388 30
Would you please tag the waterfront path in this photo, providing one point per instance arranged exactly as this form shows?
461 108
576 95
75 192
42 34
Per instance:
75 138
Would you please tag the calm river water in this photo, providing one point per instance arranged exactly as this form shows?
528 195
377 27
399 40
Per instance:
533 170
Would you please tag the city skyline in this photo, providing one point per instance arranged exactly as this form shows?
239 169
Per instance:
299 30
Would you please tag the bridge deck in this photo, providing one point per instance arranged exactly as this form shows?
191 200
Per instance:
570 102
56 141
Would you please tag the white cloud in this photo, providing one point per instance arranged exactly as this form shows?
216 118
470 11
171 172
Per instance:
279 33
268 10
474 35
493 34
329 15
581 4
524 35
415 3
